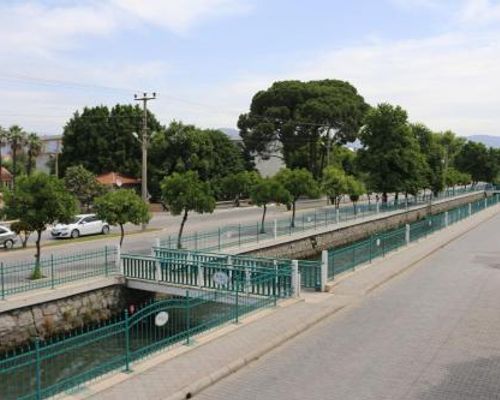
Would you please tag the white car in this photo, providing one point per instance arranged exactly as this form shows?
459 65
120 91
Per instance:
7 237
83 224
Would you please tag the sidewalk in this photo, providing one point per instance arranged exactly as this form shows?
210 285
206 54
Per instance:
218 354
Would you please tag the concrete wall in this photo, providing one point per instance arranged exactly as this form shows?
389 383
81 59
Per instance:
312 245
44 320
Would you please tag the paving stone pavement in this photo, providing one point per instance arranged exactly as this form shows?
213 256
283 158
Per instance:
432 333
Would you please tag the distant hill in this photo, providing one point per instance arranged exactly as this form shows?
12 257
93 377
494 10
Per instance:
234 134
488 140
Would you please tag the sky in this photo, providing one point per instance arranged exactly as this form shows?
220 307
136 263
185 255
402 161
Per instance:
438 59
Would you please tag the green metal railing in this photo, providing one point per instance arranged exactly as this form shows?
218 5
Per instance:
47 368
56 270
212 271
310 274
238 235
346 258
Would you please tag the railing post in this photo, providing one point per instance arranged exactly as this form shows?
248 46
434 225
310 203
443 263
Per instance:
106 271
118 261
470 209
263 224
324 269
407 234
337 216
239 235
295 278
2 279
52 271
378 207
485 202
237 305
275 229
326 217
188 319
127 342
196 240
248 279
315 220
218 239
38 370
446 219
158 276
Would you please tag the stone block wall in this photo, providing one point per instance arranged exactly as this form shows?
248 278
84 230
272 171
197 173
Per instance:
314 244
19 326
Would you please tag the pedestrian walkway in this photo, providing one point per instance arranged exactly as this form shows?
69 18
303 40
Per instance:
430 299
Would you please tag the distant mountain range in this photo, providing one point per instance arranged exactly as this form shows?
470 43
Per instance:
234 134
488 140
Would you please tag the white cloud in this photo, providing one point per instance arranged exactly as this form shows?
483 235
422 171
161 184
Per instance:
479 12
180 15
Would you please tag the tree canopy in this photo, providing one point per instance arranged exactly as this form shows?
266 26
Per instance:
180 148
334 184
185 192
37 201
83 185
100 139
122 206
481 163
304 118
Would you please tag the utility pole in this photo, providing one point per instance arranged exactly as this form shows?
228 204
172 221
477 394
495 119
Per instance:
145 144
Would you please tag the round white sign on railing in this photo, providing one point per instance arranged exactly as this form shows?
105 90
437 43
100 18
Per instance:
378 242
220 278
161 318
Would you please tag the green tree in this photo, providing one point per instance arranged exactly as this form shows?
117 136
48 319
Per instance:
269 190
4 140
120 207
22 230
434 152
355 189
305 118
334 184
452 145
391 154
185 192
236 186
37 201
17 140
181 148
83 184
298 182
34 148
477 160
100 139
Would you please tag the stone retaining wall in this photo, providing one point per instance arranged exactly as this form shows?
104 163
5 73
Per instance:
19 326
312 245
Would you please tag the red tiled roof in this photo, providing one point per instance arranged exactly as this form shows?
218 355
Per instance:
5 175
115 178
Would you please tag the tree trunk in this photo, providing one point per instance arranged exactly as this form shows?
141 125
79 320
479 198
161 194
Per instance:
179 237
293 213
37 272
262 229
384 197
14 163
122 234
30 160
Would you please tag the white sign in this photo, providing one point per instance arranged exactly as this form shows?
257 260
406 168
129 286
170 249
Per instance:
220 278
161 318
378 242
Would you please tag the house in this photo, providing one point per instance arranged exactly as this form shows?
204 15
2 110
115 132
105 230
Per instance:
5 177
116 179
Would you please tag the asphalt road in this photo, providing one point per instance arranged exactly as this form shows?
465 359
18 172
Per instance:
161 225
433 333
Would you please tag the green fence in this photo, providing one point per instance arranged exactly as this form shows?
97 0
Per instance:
310 274
238 235
346 258
56 270
47 368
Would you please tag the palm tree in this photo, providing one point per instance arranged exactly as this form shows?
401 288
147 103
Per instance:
34 145
17 140
3 141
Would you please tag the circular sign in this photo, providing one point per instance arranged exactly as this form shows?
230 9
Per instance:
220 278
161 318
378 242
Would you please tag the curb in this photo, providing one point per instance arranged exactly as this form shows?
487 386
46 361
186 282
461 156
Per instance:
203 383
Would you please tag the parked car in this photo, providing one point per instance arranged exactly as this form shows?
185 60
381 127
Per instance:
83 224
7 237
